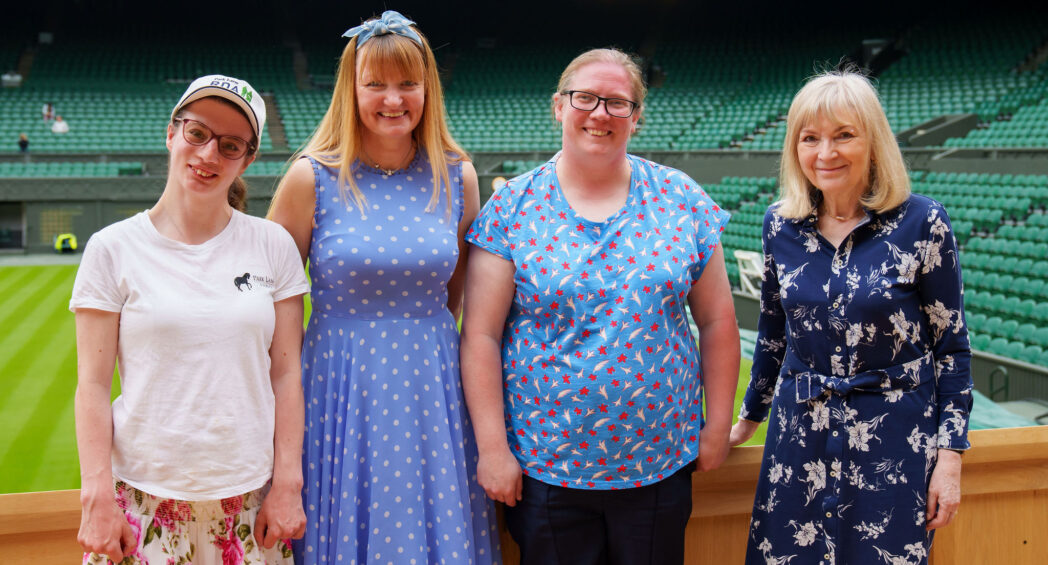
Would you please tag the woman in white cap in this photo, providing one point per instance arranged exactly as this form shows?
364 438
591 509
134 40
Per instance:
197 460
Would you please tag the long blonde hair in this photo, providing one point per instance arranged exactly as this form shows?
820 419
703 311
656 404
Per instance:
337 142
831 94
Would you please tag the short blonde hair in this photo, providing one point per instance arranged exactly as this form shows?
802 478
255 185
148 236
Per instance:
829 95
606 55
338 140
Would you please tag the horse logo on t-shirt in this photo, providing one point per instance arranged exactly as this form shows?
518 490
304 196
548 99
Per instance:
242 281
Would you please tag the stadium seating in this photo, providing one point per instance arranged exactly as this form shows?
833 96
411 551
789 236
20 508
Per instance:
117 94
746 198
100 122
959 67
729 92
499 99
724 94
74 169
514 167
300 112
1005 267
1027 127
266 169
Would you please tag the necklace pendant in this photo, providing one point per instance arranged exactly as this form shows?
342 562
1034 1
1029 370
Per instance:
389 172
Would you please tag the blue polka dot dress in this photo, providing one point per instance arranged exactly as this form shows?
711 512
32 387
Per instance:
389 457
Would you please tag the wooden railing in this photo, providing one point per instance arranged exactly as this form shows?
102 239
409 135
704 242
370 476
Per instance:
1003 517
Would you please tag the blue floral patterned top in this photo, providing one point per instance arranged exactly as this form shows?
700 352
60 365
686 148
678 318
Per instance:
602 376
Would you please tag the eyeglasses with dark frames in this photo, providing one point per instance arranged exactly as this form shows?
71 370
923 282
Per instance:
588 102
229 146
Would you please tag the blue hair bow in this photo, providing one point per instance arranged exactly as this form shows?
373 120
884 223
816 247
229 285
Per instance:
390 22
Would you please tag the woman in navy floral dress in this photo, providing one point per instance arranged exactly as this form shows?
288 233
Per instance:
580 372
862 360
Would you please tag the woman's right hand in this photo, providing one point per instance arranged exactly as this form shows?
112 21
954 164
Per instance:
104 529
501 477
742 431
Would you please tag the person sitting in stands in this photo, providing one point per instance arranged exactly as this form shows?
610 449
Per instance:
60 125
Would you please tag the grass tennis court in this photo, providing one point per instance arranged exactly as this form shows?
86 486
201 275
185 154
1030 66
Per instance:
38 372
38 376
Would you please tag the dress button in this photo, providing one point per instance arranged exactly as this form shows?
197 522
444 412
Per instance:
835 434
836 304
826 556
838 349
829 515
833 474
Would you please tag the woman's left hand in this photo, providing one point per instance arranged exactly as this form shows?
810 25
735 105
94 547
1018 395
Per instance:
281 517
944 490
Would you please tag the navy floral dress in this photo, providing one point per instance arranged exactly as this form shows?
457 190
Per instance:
862 364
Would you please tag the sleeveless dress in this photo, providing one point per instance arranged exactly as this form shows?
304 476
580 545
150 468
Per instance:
389 458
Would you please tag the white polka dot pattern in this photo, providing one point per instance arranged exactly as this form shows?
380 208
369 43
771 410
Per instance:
389 462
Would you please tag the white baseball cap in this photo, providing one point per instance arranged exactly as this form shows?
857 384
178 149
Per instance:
235 90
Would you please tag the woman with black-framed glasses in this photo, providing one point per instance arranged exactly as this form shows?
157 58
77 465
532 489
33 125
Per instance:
197 460
588 102
582 377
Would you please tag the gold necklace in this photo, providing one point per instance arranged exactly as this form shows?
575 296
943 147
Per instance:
845 218
404 161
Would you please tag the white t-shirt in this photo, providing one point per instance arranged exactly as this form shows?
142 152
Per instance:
194 420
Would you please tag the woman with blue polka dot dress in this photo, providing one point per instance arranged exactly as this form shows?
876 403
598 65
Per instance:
378 205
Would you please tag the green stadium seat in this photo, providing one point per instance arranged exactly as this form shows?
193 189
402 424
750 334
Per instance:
973 278
980 341
995 303
1031 354
1025 332
997 346
1040 314
1025 309
1039 337
992 326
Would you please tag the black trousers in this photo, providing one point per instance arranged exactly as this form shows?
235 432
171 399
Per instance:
555 525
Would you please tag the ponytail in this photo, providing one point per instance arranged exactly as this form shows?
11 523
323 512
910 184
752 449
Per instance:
237 196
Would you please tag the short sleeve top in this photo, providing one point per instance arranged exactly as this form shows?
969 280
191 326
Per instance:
602 376
195 415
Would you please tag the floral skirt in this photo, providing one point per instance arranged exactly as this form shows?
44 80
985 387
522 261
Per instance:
209 532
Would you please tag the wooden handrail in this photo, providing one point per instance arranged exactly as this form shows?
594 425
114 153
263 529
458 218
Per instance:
29 512
1004 510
